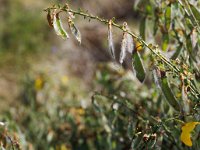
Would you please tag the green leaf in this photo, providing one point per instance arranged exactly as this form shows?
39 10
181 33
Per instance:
142 28
58 27
156 23
168 93
189 44
195 12
149 9
137 142
168 18
190 48
130 129
165 41
95 104
138 66
177 53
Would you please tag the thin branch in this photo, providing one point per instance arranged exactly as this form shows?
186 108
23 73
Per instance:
154 50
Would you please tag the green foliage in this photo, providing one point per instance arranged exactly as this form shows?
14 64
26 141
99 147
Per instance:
22 29
138 66
180 69
124 114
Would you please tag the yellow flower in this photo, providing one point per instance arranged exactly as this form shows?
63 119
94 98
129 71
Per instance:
186 131
138 46
64 80
62 147
39 83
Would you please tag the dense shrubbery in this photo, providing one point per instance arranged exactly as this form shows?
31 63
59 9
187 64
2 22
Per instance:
125 113
21 32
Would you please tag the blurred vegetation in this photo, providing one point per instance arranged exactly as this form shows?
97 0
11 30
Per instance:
120 109
123 115
21 32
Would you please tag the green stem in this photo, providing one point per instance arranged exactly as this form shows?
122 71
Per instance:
129 32
105 21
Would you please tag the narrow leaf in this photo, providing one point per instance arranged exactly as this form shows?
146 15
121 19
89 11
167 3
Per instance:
195 12
74 30
177 53
137 142
138 66
58 27
156 24
190 49
168 18
168 93
142 28
189 44
165 41
130 129
110 40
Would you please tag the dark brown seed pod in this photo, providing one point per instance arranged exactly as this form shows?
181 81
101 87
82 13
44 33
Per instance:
49 19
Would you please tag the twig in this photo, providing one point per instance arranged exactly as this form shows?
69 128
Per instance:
155 51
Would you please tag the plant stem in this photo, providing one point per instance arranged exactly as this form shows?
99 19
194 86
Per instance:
174 68
138 38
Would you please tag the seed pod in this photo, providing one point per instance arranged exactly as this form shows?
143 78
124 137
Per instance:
49 18
110 40
186 105
58 27
74 30
130 45
123 48
127 43
157 77
194 38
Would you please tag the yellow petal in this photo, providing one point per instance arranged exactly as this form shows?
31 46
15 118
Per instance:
64 79
186 131
38 83
63 147
138 46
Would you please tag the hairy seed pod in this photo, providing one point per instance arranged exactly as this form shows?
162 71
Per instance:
49 18
127 43
186 105
123 48
130 45
110 40
157 77
74 30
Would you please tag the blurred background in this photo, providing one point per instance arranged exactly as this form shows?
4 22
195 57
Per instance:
58 94
29 47
44 78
